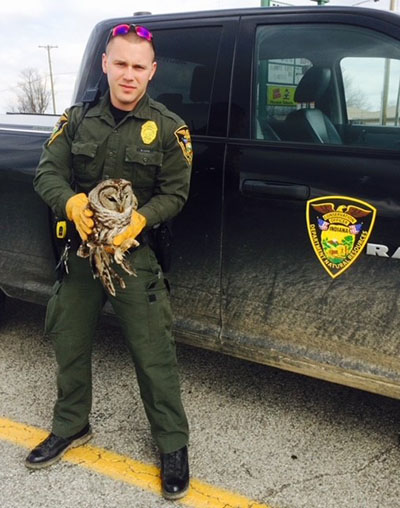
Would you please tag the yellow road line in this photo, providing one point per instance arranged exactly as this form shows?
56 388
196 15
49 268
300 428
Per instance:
118 467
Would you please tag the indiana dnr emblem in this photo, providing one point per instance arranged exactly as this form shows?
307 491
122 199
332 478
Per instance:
339 228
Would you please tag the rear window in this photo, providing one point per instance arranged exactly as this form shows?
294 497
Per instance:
186 67
372 90
326 84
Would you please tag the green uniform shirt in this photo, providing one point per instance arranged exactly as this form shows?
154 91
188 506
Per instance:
150 147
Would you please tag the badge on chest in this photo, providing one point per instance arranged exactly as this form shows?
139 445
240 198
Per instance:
149 132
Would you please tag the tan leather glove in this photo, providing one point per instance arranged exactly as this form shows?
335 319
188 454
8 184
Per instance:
78 212
138 222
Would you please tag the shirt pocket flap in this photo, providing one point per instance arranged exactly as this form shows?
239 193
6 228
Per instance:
139 155
86 149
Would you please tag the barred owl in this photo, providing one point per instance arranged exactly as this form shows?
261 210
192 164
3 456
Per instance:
112 203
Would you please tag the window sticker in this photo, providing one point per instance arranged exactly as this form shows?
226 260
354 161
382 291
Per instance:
281 95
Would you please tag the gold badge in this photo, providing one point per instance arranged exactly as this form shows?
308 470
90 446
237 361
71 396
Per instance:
339 228
149 132
59 127
183 136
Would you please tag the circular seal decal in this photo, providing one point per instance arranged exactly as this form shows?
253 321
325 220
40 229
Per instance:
149 132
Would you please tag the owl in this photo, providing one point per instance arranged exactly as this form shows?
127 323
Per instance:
112 202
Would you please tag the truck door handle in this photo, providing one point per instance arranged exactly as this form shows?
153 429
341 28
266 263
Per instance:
275 189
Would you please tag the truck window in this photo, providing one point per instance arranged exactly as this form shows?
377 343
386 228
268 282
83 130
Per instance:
186 65
372 90
326 84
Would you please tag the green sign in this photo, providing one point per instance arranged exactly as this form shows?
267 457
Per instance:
280 95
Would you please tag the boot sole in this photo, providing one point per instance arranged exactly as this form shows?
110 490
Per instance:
178 495
77 442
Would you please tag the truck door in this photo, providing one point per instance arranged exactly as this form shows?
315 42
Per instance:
312 188
194 70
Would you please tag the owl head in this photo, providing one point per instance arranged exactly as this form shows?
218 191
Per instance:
116 195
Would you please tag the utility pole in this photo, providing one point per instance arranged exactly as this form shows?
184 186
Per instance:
48 48
386 79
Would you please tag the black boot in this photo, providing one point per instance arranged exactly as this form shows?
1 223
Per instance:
175 473
53 448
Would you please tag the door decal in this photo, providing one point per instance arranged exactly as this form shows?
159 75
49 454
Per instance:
339 228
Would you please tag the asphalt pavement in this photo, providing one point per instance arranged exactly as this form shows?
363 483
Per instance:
275 437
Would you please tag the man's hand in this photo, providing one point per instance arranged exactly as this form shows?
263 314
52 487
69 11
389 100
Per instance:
138 222
78 212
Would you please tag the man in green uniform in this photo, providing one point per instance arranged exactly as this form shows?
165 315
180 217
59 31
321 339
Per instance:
126 135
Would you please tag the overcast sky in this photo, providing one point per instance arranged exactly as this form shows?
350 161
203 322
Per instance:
27 24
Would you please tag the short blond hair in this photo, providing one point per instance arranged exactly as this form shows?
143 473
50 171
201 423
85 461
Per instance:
135 39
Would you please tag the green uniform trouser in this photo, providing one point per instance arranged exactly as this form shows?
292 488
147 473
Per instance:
144 312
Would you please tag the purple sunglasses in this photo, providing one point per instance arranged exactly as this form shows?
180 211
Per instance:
124 29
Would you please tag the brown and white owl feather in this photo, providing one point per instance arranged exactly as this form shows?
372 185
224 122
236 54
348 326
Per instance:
112 202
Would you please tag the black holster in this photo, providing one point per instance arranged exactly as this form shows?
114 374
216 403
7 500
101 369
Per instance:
160 240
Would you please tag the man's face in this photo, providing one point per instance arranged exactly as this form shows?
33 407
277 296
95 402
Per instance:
129 67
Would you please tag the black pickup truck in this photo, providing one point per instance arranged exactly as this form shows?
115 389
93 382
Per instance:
287 252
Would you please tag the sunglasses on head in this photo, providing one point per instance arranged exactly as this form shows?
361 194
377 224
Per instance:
124 29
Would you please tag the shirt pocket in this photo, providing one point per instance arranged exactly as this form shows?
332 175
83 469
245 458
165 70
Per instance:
84 161
142 167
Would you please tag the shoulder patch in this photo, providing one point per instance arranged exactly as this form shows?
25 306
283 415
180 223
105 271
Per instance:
182 135
59 127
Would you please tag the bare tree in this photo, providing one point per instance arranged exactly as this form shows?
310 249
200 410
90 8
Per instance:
355 97
32 94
